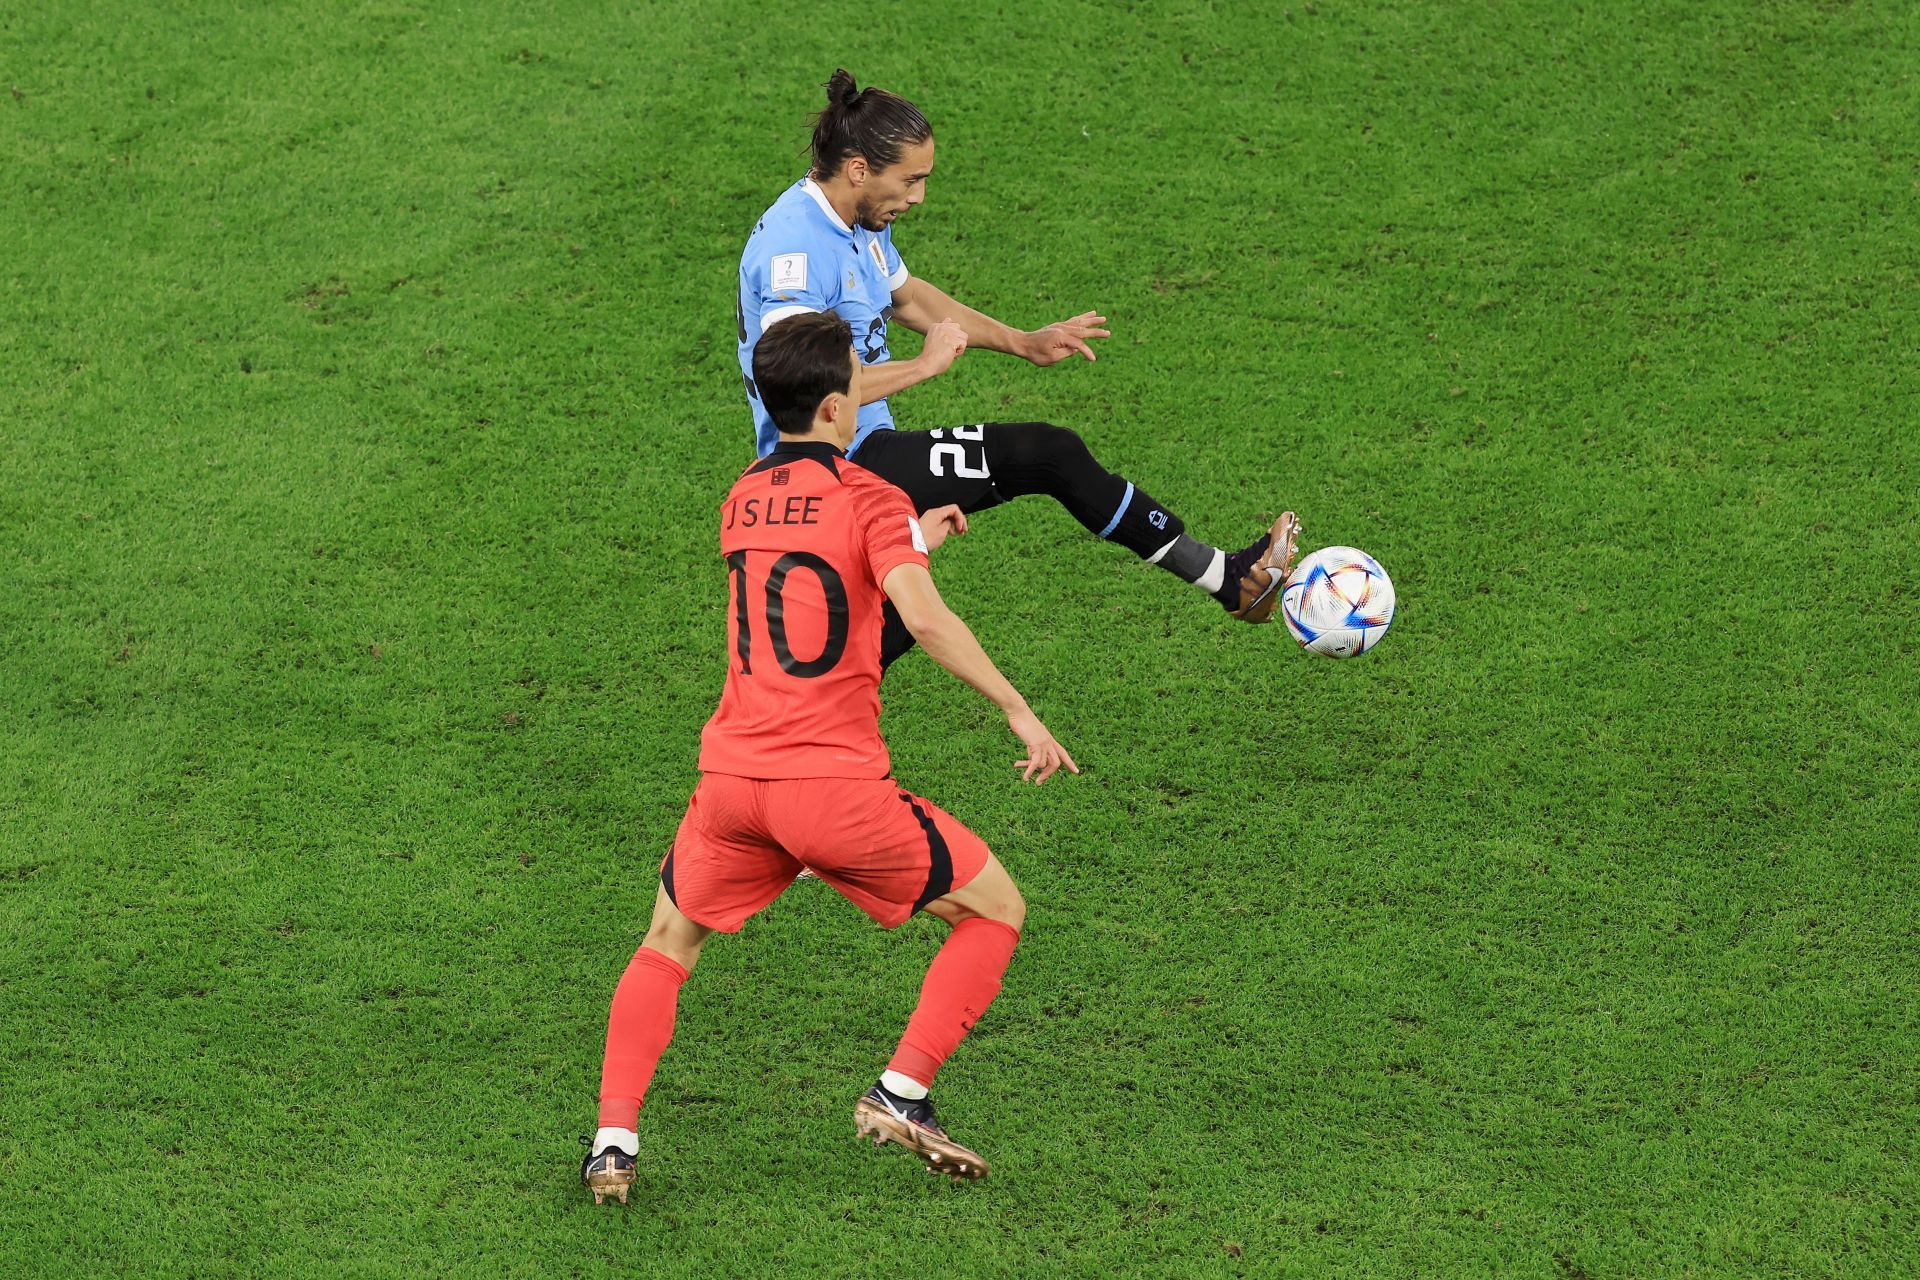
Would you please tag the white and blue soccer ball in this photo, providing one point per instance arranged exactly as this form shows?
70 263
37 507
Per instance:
1337 602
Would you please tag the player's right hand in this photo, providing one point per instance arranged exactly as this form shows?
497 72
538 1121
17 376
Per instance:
1045 756
945 341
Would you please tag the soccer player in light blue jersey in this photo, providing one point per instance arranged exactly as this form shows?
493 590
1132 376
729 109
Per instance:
827 245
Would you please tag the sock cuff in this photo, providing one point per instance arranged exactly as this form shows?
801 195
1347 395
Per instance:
661 961
900 1084
616 1136
980 924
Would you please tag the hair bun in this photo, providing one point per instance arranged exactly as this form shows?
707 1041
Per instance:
841 90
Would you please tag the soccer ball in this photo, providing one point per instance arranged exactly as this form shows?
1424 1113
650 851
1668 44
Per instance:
1338 602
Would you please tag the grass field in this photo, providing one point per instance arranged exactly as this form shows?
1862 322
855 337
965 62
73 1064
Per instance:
369 391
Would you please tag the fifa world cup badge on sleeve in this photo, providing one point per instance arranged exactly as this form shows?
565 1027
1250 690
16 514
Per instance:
790 271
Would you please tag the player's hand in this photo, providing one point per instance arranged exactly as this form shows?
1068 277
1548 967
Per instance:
1064 338
1044 755
945 341
941 522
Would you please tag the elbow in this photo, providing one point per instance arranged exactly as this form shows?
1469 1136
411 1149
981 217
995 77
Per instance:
928 626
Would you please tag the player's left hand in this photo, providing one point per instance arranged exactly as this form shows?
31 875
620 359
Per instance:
1064 338
1045 755
941 522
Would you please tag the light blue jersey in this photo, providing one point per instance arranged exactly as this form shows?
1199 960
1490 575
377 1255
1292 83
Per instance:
801 257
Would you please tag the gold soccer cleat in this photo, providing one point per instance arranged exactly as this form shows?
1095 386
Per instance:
885 1118
1255 575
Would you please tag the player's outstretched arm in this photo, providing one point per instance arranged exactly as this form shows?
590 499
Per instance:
951 643
918 305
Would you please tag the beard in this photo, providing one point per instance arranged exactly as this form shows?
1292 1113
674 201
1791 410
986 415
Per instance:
867 216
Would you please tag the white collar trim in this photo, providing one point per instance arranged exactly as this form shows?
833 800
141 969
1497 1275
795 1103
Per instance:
812 188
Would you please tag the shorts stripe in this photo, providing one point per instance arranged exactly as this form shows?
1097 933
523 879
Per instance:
939 858
1125 500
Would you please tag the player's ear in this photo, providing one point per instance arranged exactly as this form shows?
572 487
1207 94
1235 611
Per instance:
855 169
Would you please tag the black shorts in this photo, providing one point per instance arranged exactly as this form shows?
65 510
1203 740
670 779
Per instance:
936 468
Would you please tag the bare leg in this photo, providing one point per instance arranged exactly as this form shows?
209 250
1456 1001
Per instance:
673 935
991 895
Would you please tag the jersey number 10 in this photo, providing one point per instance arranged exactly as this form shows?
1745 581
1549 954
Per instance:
831 586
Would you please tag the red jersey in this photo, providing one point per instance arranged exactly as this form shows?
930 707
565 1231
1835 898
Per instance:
808 538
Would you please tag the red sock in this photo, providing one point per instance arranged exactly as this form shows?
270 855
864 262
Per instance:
961 983
638 1030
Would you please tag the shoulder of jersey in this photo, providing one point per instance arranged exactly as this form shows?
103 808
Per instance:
855 476
787 216
870 485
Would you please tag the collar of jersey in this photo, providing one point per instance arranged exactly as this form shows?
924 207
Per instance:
812 188
804 449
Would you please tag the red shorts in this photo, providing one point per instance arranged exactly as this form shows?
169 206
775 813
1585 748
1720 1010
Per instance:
744 840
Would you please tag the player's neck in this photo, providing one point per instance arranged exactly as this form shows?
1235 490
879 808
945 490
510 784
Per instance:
841 196
822 433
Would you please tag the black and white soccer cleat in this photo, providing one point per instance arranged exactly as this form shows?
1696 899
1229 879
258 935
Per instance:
884 1116
608 1172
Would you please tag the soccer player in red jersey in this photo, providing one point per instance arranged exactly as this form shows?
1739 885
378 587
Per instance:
794 774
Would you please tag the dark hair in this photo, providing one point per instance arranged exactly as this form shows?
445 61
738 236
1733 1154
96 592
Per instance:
799 362
863 122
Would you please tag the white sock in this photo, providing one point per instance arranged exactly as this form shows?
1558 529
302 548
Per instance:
625 1139
1216 574
902 1086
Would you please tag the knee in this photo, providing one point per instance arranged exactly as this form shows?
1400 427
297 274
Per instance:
682 946
1008 908
1003 907
1044 447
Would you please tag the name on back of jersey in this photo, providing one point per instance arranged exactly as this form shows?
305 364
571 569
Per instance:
754 513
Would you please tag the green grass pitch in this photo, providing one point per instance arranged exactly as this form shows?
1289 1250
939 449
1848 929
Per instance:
369 390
